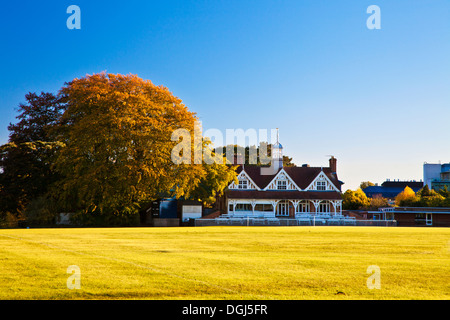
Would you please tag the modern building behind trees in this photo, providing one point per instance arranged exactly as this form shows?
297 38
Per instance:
436 175
390 189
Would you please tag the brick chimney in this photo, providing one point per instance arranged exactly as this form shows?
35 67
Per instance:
333 164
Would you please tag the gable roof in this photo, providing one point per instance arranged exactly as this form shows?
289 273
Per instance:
244 173
279 174
302 176
254 172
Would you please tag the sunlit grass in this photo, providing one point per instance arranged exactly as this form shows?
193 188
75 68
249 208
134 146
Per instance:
225 263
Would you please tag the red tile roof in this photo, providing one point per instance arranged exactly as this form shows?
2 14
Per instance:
302 176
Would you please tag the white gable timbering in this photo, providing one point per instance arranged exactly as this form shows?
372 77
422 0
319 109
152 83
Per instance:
282 181
322 183
245 183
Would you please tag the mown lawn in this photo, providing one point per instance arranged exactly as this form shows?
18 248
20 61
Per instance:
226 263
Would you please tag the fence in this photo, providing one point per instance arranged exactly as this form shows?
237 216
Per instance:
291 222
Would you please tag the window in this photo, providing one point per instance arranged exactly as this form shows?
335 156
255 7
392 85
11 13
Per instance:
242 184
420 218
264 207
281 185
324 207
283 208
303 207
321 185
389 215
429 219
243 207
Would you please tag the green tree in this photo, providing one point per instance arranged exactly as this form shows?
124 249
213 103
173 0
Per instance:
365 184
425 192
25 161
445 192
251 154
213 184
429 198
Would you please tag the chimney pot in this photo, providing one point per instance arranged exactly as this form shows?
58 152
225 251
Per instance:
333 164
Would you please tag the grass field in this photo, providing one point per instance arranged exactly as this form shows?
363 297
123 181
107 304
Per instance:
226 263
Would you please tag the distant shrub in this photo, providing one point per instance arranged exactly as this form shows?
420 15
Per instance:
378 202
41 211
95 219
8 220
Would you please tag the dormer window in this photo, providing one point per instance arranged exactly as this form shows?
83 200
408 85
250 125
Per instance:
321 186
281 185
242 184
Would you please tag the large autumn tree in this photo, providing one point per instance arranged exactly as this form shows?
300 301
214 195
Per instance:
117 133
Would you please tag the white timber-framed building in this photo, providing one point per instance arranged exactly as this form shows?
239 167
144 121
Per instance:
286 192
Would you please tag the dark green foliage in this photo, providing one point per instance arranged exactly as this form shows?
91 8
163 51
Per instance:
427 197
25 161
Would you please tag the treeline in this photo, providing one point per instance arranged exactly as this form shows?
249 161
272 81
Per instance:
425 197
357 200
100 149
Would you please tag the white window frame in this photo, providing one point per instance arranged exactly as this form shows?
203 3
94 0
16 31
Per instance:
429 219
285 210
302 207
282 185
321 185
243 184
322 177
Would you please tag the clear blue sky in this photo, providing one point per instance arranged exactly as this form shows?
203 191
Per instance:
378 100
